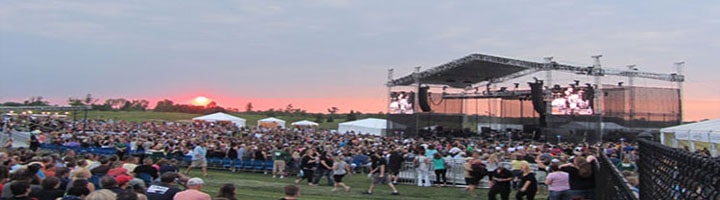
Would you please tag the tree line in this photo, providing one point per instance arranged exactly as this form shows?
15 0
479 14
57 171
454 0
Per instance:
166 105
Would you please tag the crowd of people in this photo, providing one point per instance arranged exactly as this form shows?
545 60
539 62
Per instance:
310 154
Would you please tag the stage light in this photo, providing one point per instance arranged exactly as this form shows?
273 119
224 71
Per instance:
517 85
577 82
620 83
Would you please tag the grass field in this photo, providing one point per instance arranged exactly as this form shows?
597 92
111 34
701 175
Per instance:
135 116
259 186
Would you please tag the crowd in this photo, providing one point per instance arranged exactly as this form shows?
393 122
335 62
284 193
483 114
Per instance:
310 154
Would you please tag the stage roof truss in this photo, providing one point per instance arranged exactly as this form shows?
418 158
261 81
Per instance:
478 68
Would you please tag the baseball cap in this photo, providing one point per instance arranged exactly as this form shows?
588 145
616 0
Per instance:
555 160
136 182
195 181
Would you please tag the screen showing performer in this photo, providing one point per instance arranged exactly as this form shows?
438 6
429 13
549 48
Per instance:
402 102
572 101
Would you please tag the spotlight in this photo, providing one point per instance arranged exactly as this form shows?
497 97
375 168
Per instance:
577 82
517 85
620 83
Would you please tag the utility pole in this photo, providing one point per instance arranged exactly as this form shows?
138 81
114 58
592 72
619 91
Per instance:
631 95
599 94
679 67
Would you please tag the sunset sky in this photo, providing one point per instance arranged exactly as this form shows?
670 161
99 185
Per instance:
316 54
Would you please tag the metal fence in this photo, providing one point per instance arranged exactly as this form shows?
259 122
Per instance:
670 173
455 173
610 183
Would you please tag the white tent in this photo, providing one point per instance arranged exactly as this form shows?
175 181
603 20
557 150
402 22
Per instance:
372 126
304 123
221 117
696 136
271 122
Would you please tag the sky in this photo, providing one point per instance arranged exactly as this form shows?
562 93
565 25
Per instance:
315 54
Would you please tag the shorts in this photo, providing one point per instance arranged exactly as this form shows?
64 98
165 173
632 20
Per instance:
380 180
472 181
338 178
394 171
199 163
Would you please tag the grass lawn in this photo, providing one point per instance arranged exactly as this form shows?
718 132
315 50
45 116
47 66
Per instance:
260 186
135 116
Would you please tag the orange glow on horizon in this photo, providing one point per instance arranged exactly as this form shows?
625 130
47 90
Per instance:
201 101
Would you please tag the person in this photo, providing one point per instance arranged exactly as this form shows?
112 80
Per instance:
324 169
76 193
528 184
470 180
422 167
279 156
34 143
379 173
166 189
440 170
80 179
50 189
146 172
227 191
626 165
558 183
199 159
340 169
137 187
308 164
102 194
582 177
394 164
291 192
193 192
515 165
20 190
109 183
500 183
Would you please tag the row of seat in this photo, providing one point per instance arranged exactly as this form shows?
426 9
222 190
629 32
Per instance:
237 164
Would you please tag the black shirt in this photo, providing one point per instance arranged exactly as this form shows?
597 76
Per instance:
146 169
328 162
41 194
578 182
396 160
306 164
162 191
504 174
533 182
377 162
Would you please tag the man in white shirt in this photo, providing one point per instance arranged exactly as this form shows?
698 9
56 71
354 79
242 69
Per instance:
199 158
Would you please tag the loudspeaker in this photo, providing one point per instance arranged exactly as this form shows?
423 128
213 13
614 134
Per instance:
423 99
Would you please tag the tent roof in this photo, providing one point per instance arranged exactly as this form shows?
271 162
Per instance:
369 122
219 117
271 119
703 126
304 123
592 125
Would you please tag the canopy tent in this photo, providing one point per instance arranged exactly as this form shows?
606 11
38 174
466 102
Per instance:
372 126
271 122
304 123
699 135
221 117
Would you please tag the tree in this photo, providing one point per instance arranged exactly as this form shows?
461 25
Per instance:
352 116
36 101
75 102
212 104
249 107
116 104
289 108
89 100
165 106
332 111
319 118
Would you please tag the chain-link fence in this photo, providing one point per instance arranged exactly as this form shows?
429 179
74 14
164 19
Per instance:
610 184
669 173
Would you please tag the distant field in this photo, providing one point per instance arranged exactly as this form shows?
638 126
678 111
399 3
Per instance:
135 116
258 186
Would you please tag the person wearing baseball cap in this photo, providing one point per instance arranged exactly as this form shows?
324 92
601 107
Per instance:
194 185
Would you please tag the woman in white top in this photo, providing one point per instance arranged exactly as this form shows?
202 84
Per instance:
340 169
422 166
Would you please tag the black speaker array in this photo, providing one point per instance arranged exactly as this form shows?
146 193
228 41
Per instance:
423 99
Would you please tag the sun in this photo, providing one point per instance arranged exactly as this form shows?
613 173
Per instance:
200 101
